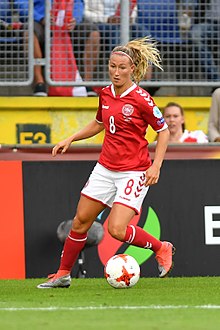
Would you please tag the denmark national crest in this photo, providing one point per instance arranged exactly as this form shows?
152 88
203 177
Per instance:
127 110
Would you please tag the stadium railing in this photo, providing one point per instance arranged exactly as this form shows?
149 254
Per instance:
16 45
169 22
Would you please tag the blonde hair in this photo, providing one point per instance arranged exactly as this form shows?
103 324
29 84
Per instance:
142 52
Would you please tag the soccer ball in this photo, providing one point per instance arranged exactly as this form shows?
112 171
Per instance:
122 271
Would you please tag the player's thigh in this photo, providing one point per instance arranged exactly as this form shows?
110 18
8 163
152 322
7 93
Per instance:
86 214
119 218
88 209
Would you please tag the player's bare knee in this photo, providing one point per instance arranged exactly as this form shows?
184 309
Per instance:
80 225
117 232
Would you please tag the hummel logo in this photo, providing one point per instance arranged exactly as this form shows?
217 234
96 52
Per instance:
146 97
105 106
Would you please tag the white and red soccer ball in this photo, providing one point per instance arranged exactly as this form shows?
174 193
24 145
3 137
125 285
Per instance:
122 271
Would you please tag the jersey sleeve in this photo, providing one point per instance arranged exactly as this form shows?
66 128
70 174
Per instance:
152 114
99 112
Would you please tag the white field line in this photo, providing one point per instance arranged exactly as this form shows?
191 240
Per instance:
92 308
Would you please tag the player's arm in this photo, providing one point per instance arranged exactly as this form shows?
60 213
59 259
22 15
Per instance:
93 128
153 172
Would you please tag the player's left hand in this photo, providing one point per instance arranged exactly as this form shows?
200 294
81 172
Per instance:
152 175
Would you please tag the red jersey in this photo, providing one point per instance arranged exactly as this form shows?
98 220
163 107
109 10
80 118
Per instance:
126 118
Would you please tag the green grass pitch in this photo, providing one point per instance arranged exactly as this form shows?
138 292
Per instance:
168 304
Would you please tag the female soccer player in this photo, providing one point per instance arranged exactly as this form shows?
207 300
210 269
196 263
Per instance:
124 172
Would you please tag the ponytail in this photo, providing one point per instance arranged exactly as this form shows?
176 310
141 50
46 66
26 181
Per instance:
143 53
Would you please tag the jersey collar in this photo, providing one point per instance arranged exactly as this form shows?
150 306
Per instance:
125 92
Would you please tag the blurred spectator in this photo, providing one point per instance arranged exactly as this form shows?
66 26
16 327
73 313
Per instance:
159 19
205 33
214 117
7 17
5 14
89 41
174 116
86 45
106 14
11 39
9 24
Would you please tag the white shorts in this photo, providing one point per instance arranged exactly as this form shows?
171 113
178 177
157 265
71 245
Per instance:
110 187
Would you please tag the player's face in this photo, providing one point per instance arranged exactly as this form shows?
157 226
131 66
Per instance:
120 71
174 119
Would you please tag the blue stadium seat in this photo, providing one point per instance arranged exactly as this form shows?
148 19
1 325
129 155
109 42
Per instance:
159 18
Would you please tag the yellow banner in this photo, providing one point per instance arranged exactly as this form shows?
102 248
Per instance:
28 120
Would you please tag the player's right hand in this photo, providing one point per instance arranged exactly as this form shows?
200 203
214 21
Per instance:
62 147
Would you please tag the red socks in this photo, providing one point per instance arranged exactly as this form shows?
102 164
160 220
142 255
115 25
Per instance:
73 246
75 243
138 237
